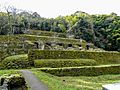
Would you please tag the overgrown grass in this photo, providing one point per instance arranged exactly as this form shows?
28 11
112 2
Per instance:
76 83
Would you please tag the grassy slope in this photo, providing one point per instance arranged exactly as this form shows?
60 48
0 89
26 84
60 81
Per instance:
76 83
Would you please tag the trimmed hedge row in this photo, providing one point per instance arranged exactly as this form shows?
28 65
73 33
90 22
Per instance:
15 62
100 57
84 71
53 63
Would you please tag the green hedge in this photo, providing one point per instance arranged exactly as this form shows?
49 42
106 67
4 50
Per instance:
100 57
63 63
16 62
84 71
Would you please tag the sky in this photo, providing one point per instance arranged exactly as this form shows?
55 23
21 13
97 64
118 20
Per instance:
54 8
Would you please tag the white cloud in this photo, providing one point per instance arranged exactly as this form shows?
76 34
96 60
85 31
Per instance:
53 8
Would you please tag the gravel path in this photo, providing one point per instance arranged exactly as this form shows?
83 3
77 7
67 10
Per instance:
32 81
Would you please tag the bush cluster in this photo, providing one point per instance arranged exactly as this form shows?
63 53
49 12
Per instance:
54 63
16 62
85 71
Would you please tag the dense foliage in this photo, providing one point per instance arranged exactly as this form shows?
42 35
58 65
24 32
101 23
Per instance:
102 30
107 31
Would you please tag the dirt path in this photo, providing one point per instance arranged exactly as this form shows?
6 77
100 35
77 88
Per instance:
32 81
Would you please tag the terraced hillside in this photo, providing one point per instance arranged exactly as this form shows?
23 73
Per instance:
58 61
75 70
20 44
68 70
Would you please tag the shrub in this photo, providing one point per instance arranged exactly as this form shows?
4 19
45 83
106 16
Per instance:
16 61
63 63
84 71
100 57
